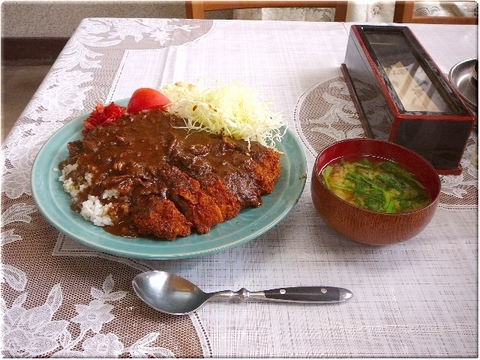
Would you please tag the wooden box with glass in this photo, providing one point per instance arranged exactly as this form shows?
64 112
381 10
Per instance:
401 95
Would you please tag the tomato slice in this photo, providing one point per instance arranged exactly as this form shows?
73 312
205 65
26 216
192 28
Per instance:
146 99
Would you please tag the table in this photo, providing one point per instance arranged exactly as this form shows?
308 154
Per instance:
59 298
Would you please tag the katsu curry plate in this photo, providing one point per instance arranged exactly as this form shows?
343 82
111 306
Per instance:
184 171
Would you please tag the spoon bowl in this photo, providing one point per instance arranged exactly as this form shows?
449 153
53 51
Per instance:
175 295
168 293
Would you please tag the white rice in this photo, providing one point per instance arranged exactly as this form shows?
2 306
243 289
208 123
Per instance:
112 193
93 209
68 184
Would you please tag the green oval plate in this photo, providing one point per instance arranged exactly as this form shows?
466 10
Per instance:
54 205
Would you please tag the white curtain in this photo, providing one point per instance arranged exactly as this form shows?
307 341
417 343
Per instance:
361 11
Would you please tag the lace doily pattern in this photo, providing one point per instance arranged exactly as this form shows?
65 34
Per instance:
81 313
325 114
73 85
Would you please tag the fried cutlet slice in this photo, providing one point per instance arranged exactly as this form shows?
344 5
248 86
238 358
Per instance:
255 170
161 218
192 201
192 160
225 200
267 171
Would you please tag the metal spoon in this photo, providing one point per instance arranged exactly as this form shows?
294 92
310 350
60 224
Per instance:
174 295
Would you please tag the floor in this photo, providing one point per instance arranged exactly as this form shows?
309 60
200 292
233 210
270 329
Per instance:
19 83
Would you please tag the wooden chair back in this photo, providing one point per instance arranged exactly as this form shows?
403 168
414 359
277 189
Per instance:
197 9
404 13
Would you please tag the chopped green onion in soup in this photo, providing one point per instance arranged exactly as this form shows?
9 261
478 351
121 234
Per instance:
375 184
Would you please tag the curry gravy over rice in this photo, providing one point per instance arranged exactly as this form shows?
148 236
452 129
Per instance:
146 175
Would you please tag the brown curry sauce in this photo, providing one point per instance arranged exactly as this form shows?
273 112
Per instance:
170 181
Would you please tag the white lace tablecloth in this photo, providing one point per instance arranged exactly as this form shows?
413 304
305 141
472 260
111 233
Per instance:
59 298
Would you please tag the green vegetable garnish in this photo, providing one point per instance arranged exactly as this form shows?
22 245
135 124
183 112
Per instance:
326 173
376 185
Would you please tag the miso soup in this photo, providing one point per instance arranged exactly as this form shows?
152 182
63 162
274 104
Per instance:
375 184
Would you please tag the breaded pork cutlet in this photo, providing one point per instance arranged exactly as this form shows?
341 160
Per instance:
192 201
161 218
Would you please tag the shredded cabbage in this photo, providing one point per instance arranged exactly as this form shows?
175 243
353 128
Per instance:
232 109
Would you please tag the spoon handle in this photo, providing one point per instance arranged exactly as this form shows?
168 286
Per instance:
309 294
